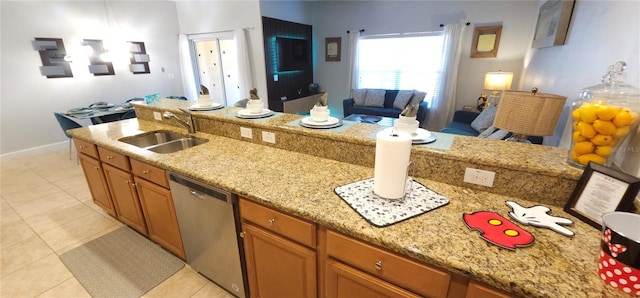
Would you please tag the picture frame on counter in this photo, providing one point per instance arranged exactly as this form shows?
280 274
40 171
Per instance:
602 190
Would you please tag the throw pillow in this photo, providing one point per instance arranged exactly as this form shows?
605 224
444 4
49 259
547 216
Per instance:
485 119
417 98
487 132
358 96
402 99
374 98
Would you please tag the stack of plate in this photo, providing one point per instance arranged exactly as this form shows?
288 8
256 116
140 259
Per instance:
76 111
244 113
421 136
213 106
330 123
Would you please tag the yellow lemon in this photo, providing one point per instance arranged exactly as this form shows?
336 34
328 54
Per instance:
575 114
586 129
601 140
604 127
577 137
583 147
621 132
623 118
588 113
606 112
586 158
603 151
574 155
575 125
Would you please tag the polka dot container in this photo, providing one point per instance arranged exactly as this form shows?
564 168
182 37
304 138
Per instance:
619 262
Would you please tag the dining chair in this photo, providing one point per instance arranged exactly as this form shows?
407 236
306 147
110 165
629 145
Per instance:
129 114
66 124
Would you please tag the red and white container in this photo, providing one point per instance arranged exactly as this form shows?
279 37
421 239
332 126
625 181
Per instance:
619 263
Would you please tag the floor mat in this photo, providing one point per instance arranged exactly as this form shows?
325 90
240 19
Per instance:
120 264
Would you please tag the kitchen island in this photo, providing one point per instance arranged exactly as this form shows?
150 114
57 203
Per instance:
298 174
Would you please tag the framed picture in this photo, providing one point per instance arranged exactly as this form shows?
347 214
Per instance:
486 41
553 23
332 48
602 190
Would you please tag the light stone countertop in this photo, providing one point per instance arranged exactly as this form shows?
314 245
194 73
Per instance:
303 185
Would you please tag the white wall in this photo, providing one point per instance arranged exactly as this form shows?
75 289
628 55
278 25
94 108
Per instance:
379 17
600 34
28 99
220 16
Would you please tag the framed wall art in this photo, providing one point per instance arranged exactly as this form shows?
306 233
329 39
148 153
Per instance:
553 23
602 190
486 40
332 48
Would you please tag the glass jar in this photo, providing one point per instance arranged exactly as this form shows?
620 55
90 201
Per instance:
603 117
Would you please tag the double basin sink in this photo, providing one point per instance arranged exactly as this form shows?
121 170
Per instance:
163 141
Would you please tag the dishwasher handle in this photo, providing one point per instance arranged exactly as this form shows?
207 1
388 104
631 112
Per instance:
197 194
201 190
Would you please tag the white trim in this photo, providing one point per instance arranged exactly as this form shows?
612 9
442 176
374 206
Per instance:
37 150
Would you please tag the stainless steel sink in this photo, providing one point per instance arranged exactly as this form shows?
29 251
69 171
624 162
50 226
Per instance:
177 145
152 138
162 141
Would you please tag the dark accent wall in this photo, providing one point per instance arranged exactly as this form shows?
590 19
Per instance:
292 84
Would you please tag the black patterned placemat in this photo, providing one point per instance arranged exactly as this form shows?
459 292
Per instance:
382 212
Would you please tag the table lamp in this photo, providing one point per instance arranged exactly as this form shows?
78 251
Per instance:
496 81
528 113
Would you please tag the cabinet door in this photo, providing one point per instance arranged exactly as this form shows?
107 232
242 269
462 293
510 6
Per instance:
125 198
160 215
343 281
277 267
97 183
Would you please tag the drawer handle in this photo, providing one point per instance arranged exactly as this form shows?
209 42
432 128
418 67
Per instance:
109 157
145 172
82 147
378 265
272 221
97 168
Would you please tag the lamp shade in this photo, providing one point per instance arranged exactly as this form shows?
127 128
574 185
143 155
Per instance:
498 80
528 113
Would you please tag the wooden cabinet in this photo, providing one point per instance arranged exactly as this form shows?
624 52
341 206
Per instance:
476 290
97 183
125 198
279 251
160 215
385 266
343 281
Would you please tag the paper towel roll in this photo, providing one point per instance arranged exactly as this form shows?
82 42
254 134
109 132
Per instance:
393 152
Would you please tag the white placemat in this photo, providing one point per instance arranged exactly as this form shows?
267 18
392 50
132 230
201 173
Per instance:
382 212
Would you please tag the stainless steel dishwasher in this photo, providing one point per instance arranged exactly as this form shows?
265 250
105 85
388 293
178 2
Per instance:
210 227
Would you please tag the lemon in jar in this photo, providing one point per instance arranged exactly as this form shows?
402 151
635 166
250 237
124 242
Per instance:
624 118
604 127
583 147
586 129
586 158
588 113
603 151
577 137
607 112
601 140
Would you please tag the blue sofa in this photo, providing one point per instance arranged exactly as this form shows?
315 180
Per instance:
461 125
349 107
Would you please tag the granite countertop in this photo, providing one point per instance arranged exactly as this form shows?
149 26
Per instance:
303 185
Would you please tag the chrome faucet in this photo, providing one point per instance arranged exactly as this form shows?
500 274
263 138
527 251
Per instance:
190 125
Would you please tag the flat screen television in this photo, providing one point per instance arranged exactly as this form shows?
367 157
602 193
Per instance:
293 54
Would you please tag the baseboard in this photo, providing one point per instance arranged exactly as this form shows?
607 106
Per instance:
37 150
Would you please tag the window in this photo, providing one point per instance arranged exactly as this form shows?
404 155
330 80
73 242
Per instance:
401 62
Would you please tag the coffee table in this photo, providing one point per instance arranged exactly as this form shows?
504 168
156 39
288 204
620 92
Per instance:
372 119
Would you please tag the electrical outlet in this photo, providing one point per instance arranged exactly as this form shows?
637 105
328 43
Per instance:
269 137
157 116
246 133
480 177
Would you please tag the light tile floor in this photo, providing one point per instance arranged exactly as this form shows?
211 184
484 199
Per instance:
46 210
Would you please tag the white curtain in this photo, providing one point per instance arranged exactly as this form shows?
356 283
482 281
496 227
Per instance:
188 78
352 60
245 83
443 106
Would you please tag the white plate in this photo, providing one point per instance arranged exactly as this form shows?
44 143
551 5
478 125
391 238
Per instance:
197 107
244 113
330 122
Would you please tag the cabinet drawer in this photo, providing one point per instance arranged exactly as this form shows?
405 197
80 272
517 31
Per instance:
476 290
288 226
86 148
149 172
404 272
113 158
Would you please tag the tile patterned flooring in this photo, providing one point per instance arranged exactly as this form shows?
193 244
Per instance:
46 210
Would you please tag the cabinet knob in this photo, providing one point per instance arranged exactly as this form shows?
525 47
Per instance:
242 234
272 221
378 265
